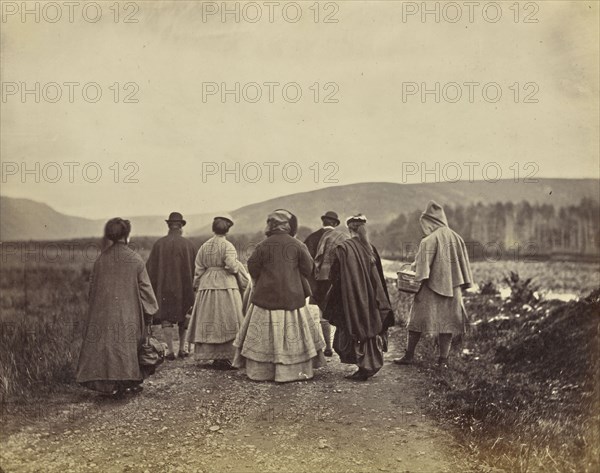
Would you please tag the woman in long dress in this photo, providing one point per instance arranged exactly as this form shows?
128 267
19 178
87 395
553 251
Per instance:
217 313
120 298
279 339
442 265
358 303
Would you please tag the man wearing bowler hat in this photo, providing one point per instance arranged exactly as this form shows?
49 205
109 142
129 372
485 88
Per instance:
319 288
330 221
171 270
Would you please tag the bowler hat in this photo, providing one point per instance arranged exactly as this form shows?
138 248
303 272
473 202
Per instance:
331 216
176 217
225 217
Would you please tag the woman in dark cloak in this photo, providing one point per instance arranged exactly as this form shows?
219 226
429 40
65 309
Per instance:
358 303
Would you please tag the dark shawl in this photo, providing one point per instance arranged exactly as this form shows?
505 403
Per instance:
358 301
325 253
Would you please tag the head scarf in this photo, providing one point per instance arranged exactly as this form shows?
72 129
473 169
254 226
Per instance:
278 222
358 218
357 224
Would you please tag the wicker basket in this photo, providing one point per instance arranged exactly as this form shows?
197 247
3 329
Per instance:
406 280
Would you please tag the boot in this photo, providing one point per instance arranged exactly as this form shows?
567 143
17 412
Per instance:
413 340
407 359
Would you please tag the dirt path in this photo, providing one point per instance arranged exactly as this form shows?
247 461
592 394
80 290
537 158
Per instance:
194 419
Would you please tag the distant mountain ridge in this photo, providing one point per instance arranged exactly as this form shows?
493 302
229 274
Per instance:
381 202
26 219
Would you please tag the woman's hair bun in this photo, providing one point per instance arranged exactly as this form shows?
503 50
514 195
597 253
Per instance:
116 229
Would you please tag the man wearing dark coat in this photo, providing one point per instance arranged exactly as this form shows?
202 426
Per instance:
171 270
319 288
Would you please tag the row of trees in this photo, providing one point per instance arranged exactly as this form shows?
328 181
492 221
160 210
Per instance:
496 231
506 229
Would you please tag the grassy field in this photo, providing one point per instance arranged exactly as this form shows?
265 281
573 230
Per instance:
523 391
523 388
522 394
578 278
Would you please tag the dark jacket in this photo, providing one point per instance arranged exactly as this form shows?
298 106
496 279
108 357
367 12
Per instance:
171 270
280 265
312 241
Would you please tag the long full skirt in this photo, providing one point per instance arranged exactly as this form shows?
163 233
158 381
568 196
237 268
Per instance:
279 345
433 314
214 324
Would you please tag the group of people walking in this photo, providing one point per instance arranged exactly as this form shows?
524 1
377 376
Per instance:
258 318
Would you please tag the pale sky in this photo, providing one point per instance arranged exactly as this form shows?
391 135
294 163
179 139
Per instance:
367 59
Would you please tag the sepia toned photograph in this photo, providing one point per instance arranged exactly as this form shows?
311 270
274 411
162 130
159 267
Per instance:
345 236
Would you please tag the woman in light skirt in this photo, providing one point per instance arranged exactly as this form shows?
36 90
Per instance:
280 340
217 312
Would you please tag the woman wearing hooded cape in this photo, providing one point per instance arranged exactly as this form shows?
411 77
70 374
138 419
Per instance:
442 266
358 303
279 339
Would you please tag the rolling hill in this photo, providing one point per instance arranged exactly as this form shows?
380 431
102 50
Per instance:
381 202
24 219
